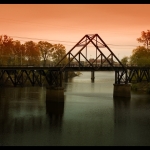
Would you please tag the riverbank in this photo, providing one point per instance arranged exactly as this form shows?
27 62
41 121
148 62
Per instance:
143 87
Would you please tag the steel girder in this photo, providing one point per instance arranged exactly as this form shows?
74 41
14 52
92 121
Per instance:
21 77
98 43
139 74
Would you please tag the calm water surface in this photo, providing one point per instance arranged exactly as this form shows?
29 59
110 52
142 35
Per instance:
89 115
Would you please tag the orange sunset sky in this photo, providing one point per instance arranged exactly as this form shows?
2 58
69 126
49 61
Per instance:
119 25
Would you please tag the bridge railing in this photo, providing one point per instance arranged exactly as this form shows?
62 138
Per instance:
73 65
60 65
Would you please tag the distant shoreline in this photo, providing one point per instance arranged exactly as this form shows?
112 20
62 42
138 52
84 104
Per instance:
143 87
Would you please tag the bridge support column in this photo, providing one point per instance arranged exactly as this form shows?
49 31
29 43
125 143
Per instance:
122 90
55 94
92 76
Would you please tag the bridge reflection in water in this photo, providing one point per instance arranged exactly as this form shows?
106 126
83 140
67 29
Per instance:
131 124
55 112
19 116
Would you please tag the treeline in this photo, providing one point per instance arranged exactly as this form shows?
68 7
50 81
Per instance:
12 52
140 55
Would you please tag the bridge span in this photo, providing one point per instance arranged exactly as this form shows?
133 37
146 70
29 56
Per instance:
53 76
19 75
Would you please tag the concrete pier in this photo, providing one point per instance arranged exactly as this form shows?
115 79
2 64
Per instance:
122 90
55 94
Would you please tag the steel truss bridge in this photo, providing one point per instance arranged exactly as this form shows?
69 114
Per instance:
35 75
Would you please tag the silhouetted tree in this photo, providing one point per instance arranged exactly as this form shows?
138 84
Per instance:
140 56
46 50
18 53
145 38
32 53
58 53
6 44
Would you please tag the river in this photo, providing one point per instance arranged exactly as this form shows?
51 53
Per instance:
89 116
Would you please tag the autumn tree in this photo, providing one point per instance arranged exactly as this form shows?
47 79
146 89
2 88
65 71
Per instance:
18 50
145 38
141 55
58 53
32 53
46 50
5 49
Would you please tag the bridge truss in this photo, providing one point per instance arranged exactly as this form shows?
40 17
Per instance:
35 75
81 55
138 74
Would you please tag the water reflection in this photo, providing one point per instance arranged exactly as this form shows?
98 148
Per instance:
122 109
121 120
131 121
19 113
55 112
88 116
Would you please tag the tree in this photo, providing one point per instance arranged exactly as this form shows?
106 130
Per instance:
140 56
6 44
18 53
32 53
145 38
124 60
46 50
58 53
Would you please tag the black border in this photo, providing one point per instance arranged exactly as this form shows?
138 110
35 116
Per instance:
75 2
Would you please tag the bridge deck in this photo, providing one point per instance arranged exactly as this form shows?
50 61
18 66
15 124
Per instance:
19 75
71 68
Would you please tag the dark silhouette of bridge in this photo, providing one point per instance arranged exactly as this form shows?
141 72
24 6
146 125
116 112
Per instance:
36 75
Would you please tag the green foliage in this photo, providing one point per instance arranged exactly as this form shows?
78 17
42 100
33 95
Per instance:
141 87
124 60
134 87
140 56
